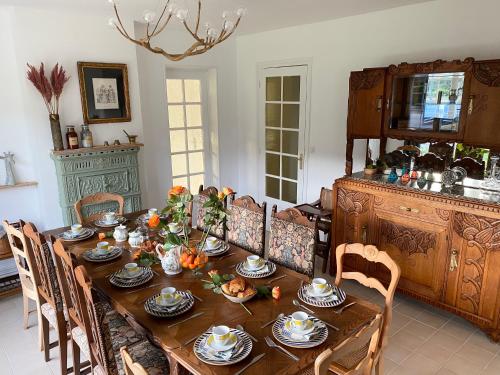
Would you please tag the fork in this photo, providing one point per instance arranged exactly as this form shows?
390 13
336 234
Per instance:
272 344
341 310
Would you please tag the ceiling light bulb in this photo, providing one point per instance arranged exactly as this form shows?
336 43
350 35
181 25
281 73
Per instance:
225 14
149 16
228 25
181 14
241 12
113 2
211 32
170 9
112 22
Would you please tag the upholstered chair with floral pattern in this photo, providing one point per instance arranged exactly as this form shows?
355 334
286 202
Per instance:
203 195
293 240
247 224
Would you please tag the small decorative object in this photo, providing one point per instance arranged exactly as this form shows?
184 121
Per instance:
414 174
106 143
86 137
104 92
132 139
103 235
51 91
120 234
170 258
9 168
276 293
421 181
117 142
204 38
448 178
405 178
71 138
135 239
393 176
430 175
370 169
216 281
492 181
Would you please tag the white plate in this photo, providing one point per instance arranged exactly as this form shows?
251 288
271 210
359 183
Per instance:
161 302
247 267
123 274
104 224
310 291
328 301
243 351
291 328
208 248
230 343
284 337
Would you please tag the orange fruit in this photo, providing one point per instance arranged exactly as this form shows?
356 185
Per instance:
190 259
184 265
183 257
102 236
196 261
192 266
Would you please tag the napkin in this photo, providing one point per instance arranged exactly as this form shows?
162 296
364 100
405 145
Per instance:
299 337
221 356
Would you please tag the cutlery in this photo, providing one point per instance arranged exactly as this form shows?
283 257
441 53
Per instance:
226 256
195 337
255 360
298 304
272 344
272 321
195 297
327 324
240 327
276 279
138 290
185 320
341 310
246 308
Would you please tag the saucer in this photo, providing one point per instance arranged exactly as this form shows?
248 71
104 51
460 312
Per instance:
175 301
229 344
125 275
208 248
249 268
290 328
326 293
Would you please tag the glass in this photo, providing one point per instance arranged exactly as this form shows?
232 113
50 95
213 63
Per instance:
196 164
291 113
291 89
193 114
273 89
177 140
427 102
179 165
180 181
273 140
273 115
289 166
272 164
272 187
195 139
195 181
174 91
291 142
192 90
176 116
492 181
289 191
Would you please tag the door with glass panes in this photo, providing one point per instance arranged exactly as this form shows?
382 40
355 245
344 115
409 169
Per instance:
188 129
283 94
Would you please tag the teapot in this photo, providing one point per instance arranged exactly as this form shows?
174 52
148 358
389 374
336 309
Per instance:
120 234
135 239
170 258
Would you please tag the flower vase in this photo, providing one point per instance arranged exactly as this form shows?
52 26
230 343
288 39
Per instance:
55 128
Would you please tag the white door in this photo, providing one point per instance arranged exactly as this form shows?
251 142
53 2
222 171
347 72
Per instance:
283 98
188 128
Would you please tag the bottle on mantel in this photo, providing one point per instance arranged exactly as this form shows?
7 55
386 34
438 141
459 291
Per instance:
71 138
86 137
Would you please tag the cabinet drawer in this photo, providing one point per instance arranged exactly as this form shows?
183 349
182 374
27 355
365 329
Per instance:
411 208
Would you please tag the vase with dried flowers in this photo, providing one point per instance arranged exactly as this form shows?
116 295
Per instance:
51 90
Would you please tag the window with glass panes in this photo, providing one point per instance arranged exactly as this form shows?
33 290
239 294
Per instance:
187 146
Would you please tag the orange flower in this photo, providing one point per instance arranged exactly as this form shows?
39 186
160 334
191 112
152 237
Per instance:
227 190
213 272
154 221
176 190
221 195
137 254
102 236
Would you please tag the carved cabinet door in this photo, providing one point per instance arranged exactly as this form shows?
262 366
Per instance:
366 103
418 247
483 100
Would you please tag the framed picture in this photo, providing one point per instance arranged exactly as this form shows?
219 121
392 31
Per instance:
104 92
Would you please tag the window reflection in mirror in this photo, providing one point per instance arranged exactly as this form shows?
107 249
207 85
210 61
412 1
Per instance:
427 102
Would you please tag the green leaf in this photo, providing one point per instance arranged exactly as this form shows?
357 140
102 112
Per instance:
216 279
208 286
217 290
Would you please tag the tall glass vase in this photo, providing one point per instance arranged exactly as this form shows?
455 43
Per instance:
55 128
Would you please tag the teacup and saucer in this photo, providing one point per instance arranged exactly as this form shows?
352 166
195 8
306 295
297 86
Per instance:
110 218
254 263
174 227
168 297
212 243
76 229
152 212
130 271
222 339
320 288
102 248
299 323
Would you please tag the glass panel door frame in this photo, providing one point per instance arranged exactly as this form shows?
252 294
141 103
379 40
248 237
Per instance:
303 70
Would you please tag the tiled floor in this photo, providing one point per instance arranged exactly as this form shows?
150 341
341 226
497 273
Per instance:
423 341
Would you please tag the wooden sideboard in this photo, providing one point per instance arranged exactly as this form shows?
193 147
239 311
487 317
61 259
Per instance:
447 245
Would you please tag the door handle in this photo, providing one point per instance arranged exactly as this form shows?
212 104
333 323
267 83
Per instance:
472 99
301 161
453 260
379 103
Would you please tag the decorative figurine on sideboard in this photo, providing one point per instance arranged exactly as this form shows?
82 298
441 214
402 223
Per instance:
131 138
8 157
393 176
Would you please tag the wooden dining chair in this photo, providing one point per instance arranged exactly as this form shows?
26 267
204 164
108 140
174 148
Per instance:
94 199
203 196
247 224
28 274
372 254
108 333
292 240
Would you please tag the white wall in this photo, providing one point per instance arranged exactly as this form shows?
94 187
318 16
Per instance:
445 29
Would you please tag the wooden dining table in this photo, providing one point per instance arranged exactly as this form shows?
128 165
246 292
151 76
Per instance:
217 310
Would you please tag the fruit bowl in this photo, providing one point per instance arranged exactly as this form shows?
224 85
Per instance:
238 290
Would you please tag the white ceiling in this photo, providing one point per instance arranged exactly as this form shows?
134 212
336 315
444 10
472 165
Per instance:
262 14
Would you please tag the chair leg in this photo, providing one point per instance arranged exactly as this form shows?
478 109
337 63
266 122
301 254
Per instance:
45 334
40 328
76 357
63 349
26 311
379 366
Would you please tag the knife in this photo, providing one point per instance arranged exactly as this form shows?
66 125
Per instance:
256 359
185 320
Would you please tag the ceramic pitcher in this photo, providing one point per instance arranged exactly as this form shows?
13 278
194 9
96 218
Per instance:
170 258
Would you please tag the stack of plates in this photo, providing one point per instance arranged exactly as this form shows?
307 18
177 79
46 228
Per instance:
218 249
109 224
69 236
315 334
93 256
331 297
264 270
123 280
156 307
237 348
145 217
164 232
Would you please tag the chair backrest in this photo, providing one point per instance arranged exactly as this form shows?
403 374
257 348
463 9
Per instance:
429 161
49 287
474 168
326 199
443 150
96 199
353 355
131 367
371 254
410 150
203 195
396 158
293 240
247 224
23 257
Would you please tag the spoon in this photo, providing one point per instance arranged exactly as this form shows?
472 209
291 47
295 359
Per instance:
240 327
298 304
272 321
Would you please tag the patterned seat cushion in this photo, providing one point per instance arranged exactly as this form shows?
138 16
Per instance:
50 314
216 230
150 357
81 340
292 245
246 229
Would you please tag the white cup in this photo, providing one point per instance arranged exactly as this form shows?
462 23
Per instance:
110 217
102 248
168 294
299 320
173 227
319 285
253 260
212 242
152 211
76 228
221 334
131 268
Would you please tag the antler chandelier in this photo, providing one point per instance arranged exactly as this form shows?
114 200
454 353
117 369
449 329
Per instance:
203 41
